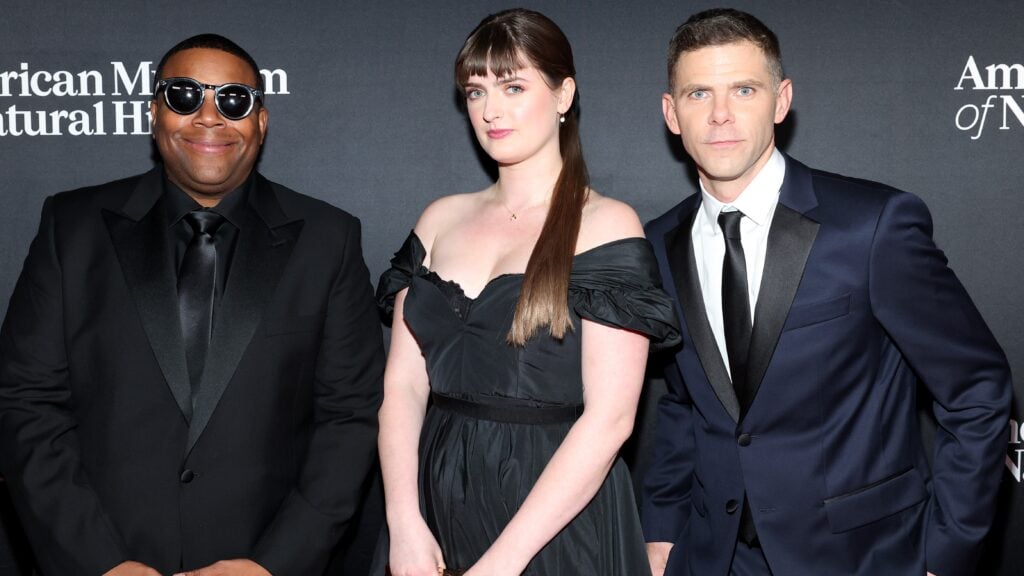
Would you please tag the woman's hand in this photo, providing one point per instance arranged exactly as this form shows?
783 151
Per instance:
414 550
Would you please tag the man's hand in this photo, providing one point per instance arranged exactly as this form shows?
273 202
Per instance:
240 567
657 555
131 568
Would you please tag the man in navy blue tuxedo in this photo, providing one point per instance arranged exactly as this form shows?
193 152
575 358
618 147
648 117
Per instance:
813 306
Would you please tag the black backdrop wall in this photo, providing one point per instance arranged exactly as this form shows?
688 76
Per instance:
926 96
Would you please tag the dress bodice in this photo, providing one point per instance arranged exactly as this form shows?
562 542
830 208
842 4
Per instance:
463 339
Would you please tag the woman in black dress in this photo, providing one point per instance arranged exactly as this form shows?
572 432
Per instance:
523 314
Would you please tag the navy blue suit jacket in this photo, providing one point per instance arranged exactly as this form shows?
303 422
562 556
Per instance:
856 309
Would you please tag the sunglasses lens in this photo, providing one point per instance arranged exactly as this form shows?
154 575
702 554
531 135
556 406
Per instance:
184 97
234 102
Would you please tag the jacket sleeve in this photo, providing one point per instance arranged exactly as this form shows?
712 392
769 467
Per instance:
666 490
348 389
930 317
39 446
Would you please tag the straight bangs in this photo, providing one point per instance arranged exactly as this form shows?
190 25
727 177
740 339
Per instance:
489 49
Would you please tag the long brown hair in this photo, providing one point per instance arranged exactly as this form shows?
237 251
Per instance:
504 43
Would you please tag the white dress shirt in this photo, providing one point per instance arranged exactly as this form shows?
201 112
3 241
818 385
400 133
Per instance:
757 203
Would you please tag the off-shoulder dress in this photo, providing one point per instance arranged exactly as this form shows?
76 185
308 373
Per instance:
499 412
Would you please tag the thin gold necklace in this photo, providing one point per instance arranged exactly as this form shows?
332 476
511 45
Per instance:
512 216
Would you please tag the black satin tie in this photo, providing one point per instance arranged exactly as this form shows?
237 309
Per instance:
736 318
735 302
197 279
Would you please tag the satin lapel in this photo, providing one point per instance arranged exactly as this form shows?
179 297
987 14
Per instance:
264 246
143 250
789 244
679 246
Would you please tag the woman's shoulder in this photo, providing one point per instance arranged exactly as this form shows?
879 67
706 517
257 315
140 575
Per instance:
615 279
606 220
444 213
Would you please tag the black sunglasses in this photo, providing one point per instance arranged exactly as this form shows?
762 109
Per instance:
186 95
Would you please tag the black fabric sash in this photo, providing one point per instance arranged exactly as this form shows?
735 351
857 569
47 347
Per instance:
511 414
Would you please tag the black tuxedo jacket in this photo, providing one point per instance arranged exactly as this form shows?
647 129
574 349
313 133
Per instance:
857 308
104 457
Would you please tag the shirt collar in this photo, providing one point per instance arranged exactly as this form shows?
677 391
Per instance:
757 199
231 206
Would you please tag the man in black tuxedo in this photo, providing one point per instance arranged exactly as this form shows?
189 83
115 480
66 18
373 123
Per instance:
190 367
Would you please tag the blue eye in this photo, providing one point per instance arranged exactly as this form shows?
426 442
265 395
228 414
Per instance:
474 93
745 91
514 89
699 94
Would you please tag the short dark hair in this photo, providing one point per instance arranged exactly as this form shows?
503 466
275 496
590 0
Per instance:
719 26
213 42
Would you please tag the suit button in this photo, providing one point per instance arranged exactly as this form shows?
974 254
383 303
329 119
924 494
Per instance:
744 440
731 506
187 476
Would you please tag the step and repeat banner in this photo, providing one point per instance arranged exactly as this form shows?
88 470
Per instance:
925 96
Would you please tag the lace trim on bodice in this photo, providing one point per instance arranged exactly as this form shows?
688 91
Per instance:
452 292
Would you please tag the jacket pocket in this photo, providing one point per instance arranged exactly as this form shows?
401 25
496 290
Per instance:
817 312
875 501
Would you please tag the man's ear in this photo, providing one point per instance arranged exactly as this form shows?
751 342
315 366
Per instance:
783 100
263 117
152 117
668 109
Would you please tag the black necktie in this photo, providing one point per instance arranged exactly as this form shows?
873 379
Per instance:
197 279
736 318
735 302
